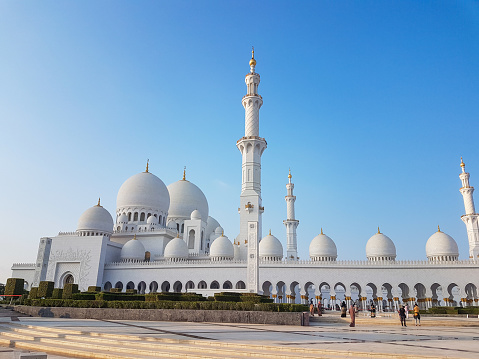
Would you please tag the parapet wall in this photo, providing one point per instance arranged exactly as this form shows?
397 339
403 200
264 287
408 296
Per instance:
169 315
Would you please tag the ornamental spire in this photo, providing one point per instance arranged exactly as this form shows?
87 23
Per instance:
379 231
98 202
147 163
184 173
252 62
289 176
463 165
438 229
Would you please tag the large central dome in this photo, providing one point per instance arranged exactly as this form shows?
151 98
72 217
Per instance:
185 197
144 190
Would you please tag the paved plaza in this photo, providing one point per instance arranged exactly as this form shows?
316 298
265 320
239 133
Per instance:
330 337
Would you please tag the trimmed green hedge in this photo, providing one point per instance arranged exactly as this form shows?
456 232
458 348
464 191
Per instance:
57 293
115 290
188 297
33 293
131 291
69 289
14 286
119 296
92 288
84 296
163 304
45 289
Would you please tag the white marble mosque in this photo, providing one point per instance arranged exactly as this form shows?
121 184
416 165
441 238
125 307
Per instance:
163 238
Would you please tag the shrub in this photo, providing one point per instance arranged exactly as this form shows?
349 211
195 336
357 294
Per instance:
57 293
69 290
83 296
45 289
92 288
14 286
115 290
131 291
33 293
119 297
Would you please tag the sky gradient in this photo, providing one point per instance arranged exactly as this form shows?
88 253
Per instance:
370 103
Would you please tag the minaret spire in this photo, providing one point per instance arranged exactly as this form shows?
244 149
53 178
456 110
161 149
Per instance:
184 173
251 208
471 218
147 163
291 222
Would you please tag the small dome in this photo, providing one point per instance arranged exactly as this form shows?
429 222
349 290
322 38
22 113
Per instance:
144 190
211 225
380 247
96 218
123 218
270 246
441 246
222 248
133 250
219 230
152 220
323 248
172 225
176 249
195 214
185 197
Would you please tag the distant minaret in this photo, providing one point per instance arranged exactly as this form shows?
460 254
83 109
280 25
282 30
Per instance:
291 223
471 218
251 147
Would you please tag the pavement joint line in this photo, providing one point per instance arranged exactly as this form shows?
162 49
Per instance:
158 330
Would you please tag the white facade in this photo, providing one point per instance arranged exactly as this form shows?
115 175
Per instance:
164 239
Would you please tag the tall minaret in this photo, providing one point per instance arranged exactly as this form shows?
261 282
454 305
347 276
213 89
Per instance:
471 218
251 147
291 223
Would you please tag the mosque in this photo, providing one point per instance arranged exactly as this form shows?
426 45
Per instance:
163 238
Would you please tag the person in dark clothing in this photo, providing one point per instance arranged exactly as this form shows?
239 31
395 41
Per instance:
402 316
343 309
373 310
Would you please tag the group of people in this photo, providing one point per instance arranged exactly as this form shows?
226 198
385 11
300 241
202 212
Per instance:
403 312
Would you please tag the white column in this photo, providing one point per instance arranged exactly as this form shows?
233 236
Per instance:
471 218
291 222
251 147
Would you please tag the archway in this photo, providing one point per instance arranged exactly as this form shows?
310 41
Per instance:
165 286
420 292
325 291
191 239
471 294
339 294
202 285
107 287
436 290
119 285
281 290
130 285
153 287
240 285
454 295
387 298
177 287
295 296
190 285
267 288
214 285
141 287
227 285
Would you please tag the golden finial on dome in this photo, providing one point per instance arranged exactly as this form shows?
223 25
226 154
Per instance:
98 205
438 229
147 163
270 231
177 234
379 231
322 230
289 176
222 233
134 237
252 62
463 165
184 174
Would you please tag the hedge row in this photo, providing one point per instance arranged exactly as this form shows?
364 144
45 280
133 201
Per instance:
454 310
164 304
14 286
188 297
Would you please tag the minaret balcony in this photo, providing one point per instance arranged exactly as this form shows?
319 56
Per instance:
252 95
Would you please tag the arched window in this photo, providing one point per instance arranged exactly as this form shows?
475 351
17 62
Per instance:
227 285
191 239
129 216
215 285
107 287
142 217
183 228
202 285
240 285
68 280
135 217
119 285
201 243
160 220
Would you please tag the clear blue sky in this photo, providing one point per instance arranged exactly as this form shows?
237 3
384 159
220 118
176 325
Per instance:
371 104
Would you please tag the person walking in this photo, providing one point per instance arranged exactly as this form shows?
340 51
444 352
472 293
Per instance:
402 316
417 315
406 308
373 310
352 314
343 309
311 308
320 308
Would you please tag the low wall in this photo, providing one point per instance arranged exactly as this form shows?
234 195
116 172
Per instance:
169 315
